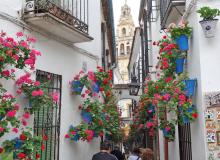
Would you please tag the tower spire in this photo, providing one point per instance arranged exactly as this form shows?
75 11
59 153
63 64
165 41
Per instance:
125 1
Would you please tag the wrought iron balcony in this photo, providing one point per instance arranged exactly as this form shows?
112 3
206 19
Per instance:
67 19
170 11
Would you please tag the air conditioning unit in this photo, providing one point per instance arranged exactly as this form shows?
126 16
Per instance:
29 6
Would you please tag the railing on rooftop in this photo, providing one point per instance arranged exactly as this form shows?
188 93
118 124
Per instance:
73 12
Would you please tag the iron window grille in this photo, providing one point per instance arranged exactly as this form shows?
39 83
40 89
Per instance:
185 149
47 120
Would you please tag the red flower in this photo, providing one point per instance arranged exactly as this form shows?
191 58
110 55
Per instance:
101 134
101 89
154 43
45 138
105 81
37 155
168 79
23 137
195 115
42 147
67 136
164 37
21 155
6 73
1 150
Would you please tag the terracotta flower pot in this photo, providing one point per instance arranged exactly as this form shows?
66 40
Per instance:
208 27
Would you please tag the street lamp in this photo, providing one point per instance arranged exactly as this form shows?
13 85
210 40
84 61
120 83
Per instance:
134 86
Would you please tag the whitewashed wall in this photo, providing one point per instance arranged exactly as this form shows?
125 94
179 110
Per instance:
66 61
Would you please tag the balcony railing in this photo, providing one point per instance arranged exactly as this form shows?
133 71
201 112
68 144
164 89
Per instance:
72 12
166 7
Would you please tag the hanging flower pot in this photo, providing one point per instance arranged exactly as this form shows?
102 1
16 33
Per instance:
190 85
182 42
86 116
96 87
77 87
208 27
179 65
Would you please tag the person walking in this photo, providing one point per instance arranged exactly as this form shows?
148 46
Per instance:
147 154
118 153
104 153
135 154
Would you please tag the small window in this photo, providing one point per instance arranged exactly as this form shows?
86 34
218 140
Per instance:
122 49
128 50
123 31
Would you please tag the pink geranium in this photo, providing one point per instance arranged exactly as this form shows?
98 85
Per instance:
55 96
26 115
15 130
11 113
19 34
168 128
37 83
1 129
90 134
149 124
166 97
37 93
6 73
91 76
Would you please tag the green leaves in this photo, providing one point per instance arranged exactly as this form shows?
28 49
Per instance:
208 13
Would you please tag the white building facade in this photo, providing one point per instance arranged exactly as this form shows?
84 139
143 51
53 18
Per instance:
202 63
72 36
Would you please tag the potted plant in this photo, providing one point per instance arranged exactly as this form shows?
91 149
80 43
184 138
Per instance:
208 22
181 34
190 85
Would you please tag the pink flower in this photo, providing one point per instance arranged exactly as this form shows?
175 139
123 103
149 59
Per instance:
19 91
35 52
1 129
24 79
149 124
168 79
156 96
19 34
24 123
87 91
16 106
140 126
90 134
83 95
11 113
91 75
6 73
168 128
73 133
31 39
182 97
37 93
29 61
177 90
15 130
10 39
67 136
55 97
166 96
37 83
24 44
26 115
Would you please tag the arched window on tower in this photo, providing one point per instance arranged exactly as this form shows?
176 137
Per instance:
123 31
122 49
128 50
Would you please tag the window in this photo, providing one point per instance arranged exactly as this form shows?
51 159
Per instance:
123 31
122 49
185 148
128 50
47 120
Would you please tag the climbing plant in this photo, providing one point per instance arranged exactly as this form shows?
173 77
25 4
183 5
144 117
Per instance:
99 110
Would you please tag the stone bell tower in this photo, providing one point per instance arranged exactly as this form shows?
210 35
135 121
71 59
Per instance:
124 37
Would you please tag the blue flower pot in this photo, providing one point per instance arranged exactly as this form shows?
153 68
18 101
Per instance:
86 116
179 65
190 85
165 133
1 117
186 120
96 87
77 86
76 137
182 43
18 143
